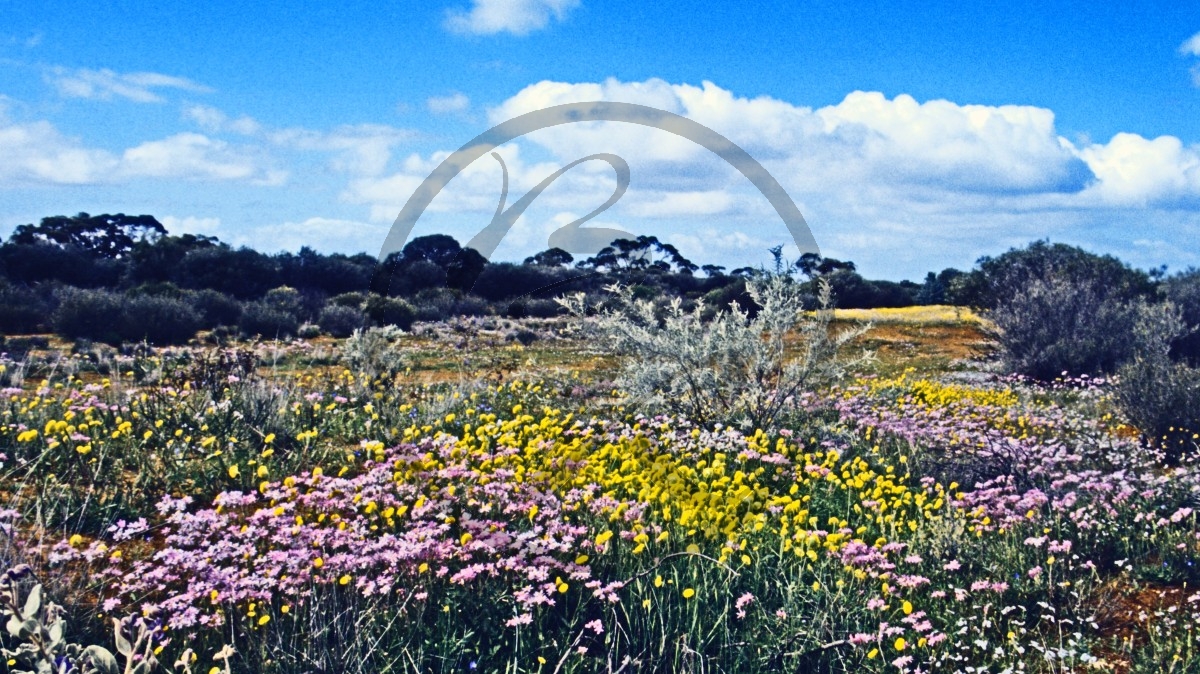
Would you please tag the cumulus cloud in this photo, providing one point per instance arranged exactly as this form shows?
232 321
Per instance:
881 180
328 235
455 102
518 17
105 84
1132 170
361 149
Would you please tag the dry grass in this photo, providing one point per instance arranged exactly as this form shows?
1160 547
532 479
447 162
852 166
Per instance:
936 314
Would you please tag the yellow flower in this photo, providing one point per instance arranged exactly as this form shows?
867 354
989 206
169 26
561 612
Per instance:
561 585
816 585
900 643
264 620
318 562
215 670
541 660
581 559
603 537
344 580
689 593
233 471
907 606
75 540
423 567
873 654
658 581
285 609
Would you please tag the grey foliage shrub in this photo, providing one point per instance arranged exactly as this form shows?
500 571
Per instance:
341 321
1159 395
159 320
732 369
260 318
1054 323
1183 290
39 630
374 351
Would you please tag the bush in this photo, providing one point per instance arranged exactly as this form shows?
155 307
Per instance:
390 311
22 310
90 314
373 351
159 320
308 331
217 308
341 321
260 318
1058 324
353 300
732 369
471 305
1059 309
1183 290
1161 397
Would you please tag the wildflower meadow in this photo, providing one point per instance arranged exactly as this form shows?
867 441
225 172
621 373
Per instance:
434 501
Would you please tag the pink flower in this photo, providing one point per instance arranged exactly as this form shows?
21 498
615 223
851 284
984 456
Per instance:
523 619
595 626
1035 572
952 565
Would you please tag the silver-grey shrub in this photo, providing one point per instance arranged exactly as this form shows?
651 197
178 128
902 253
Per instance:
735 368
1158 394
1054 323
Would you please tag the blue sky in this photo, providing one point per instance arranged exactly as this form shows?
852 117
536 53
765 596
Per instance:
912 136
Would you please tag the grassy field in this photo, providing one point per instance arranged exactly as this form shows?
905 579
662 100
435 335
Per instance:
480 496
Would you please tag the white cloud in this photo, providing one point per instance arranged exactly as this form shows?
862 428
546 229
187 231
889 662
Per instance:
455 102
1191 46
361 150
327 235
192 225
883 181
213 120
193 156
106 84
1136 171
519 17
37 153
